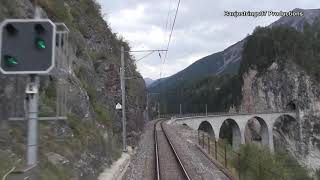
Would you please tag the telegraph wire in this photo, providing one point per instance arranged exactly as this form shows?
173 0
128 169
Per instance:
172 28
168 44
170 36
167 22
148 50
144 56
151 51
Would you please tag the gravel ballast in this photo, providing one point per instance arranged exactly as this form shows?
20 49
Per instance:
195 162
142 165
184 139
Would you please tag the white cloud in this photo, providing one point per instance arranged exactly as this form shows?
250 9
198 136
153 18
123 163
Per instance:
128 17
181 63
153 36
149 69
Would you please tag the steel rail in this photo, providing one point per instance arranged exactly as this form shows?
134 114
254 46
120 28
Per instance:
156 151
185 173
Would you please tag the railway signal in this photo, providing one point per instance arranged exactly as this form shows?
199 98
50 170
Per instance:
27 46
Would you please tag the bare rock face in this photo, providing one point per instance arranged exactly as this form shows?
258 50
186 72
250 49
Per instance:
252 131
287 88
279 87
56 158
248 100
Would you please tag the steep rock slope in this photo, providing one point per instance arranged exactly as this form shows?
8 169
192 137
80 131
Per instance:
280 72
90 139
276 90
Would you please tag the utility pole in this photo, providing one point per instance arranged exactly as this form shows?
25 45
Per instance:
158 110
148 106
180 109
122 78
123 96
206 109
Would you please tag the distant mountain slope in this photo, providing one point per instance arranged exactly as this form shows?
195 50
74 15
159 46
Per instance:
298 22
225 62
228 61
148 81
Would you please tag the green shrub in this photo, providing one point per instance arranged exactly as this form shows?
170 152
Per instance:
91 92
7 160
48 100
50 171
258 163
101 112
317 174
80 73
83 131
94 55
7 9
57 10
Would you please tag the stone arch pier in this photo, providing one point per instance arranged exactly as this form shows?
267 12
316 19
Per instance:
236 124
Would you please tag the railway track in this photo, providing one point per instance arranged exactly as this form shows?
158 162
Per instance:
168 162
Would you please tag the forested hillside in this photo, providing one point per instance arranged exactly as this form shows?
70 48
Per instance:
195 95
281 44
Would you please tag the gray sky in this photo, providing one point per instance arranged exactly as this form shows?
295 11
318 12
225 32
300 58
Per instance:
201 27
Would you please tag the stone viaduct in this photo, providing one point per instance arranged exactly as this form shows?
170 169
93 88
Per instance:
213 123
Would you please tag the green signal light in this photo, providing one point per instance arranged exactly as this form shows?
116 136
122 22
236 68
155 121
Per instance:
10 61
41 44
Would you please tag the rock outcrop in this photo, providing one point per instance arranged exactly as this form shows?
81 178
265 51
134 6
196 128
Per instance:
287 88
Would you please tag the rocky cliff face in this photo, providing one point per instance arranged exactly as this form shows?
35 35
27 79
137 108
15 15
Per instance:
89 140
287 87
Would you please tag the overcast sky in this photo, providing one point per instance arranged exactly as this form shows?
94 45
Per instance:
201 27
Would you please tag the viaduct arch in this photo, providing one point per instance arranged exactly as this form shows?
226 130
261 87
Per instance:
237 124
206 127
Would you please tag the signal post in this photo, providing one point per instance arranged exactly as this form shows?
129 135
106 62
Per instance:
27 47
